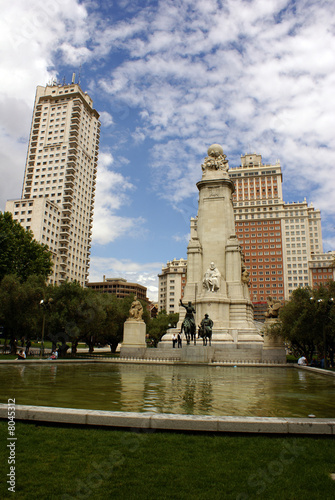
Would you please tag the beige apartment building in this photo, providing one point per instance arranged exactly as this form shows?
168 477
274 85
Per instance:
119 287
171 284
60 177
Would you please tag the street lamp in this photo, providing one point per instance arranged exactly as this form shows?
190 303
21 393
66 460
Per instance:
45 304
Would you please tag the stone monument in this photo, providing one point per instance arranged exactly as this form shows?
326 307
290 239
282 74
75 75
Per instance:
134 332
217 280
273 348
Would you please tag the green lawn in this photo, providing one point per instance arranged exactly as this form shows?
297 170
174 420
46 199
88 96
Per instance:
70 462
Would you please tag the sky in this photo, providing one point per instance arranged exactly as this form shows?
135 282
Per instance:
169 78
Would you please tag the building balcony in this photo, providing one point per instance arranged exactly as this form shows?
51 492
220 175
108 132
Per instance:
69 183
71 164
64 236
64 239
65 219
67 206
68 201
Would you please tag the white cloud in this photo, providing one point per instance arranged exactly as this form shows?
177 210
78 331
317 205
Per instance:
111 194
106 119
256 74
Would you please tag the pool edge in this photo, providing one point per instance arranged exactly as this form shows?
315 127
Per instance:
172 422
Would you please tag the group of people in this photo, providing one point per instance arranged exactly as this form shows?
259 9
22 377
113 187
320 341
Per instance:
176 339
317 363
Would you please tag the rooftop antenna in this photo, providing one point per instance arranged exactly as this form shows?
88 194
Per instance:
73 78
79 74
63 81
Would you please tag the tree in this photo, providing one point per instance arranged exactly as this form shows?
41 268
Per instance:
19 307
75 314
307 321
20 253
158 326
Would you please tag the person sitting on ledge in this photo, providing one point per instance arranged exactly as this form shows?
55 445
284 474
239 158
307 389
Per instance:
54 355
302 361
21 355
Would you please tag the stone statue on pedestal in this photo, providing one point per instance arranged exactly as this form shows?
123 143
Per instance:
273 308
215 160
212 278
136 310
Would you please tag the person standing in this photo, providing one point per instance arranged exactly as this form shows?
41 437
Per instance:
179 340
28 344
174 340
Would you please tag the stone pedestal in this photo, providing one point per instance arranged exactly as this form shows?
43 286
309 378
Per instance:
134 334
273 348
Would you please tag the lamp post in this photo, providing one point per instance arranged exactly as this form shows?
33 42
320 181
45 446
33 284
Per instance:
45 304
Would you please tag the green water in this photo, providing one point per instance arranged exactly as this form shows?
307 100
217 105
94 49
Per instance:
195 390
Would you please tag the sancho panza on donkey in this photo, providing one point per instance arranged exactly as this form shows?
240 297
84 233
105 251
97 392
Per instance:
189 322
205 330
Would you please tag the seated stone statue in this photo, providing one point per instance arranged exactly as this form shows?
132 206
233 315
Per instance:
245 276
212 278
136 310
273 308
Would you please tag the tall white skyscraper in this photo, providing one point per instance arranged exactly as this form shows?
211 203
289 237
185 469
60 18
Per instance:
60 176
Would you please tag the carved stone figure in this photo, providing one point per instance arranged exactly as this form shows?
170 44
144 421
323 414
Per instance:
212 278
215 160
245 276
273 308
136 310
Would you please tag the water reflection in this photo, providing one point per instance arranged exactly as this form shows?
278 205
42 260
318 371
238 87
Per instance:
199 390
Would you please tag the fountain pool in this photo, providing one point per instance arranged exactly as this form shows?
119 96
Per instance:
192 390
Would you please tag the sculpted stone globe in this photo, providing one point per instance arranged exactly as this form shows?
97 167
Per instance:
215 150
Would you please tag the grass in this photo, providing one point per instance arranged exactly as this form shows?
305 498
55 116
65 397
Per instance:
72 462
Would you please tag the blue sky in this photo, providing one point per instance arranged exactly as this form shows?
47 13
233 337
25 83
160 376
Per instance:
169 78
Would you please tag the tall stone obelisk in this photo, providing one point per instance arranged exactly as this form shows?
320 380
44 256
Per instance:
217 281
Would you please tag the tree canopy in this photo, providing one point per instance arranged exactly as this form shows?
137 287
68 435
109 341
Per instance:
20 253
158 326
307 321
